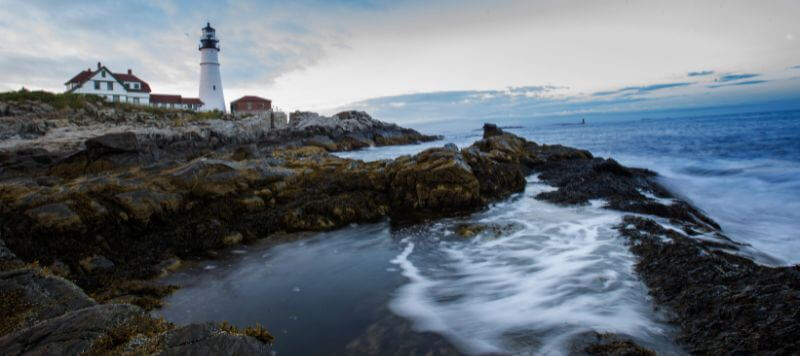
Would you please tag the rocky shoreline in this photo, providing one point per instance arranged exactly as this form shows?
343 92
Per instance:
120 208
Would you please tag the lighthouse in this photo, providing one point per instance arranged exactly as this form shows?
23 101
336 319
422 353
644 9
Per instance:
210 80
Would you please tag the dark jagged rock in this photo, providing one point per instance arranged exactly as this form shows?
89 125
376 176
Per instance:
603 344
47 315
72 333
725 304
394 335
208 339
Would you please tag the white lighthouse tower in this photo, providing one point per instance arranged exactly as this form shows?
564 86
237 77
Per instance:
210 80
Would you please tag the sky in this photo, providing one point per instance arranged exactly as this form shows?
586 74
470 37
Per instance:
412 59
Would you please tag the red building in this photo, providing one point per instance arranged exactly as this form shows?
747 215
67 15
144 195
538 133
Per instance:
251 104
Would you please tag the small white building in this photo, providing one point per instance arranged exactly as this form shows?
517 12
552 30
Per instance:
115 87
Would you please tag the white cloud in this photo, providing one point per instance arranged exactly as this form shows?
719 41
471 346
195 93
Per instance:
317 54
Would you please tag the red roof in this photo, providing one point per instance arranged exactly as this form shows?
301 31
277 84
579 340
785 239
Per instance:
85 75
251 98
81 77
173 99
125 77
165 98
192 101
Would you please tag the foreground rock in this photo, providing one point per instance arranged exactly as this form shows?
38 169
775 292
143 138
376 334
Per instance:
725 304
47 315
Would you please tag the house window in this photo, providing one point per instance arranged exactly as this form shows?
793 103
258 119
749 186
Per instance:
135 100
110 85
249 106
116 98
103 74
136 85
214 87
96 85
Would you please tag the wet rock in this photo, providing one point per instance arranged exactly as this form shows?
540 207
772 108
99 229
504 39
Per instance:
143 204
96 264
56 216
167 266
252 203
60 269
603 344
70 334
8 260
435 179
490 130
233 239
29 296
726 304
394 335
492 230
209 339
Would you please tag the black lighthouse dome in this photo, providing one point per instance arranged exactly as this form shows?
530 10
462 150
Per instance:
209 39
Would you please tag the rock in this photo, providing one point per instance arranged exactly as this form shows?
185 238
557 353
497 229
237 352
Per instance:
56 216
96 263
436 179
59 268
143 204
70 334
209 339
167 266
112 143
252 203
233 239
491 230
8 260
29 297
394 335
726 304
604 344
490 130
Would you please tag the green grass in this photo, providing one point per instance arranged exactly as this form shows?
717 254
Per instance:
58 101
76 101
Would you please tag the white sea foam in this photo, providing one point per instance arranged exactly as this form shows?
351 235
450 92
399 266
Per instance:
559 271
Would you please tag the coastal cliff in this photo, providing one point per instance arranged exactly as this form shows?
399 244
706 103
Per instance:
94 221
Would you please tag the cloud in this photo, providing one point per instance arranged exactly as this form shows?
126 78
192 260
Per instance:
733 77
633 90
701 73
748 82
260 41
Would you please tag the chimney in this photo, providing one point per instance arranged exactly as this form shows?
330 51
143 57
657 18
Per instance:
98 65
130 71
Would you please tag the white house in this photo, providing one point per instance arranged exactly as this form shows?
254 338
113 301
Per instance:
116 87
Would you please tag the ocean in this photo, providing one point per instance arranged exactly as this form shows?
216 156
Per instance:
554 273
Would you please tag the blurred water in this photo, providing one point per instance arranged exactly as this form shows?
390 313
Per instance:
741 169
540 275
